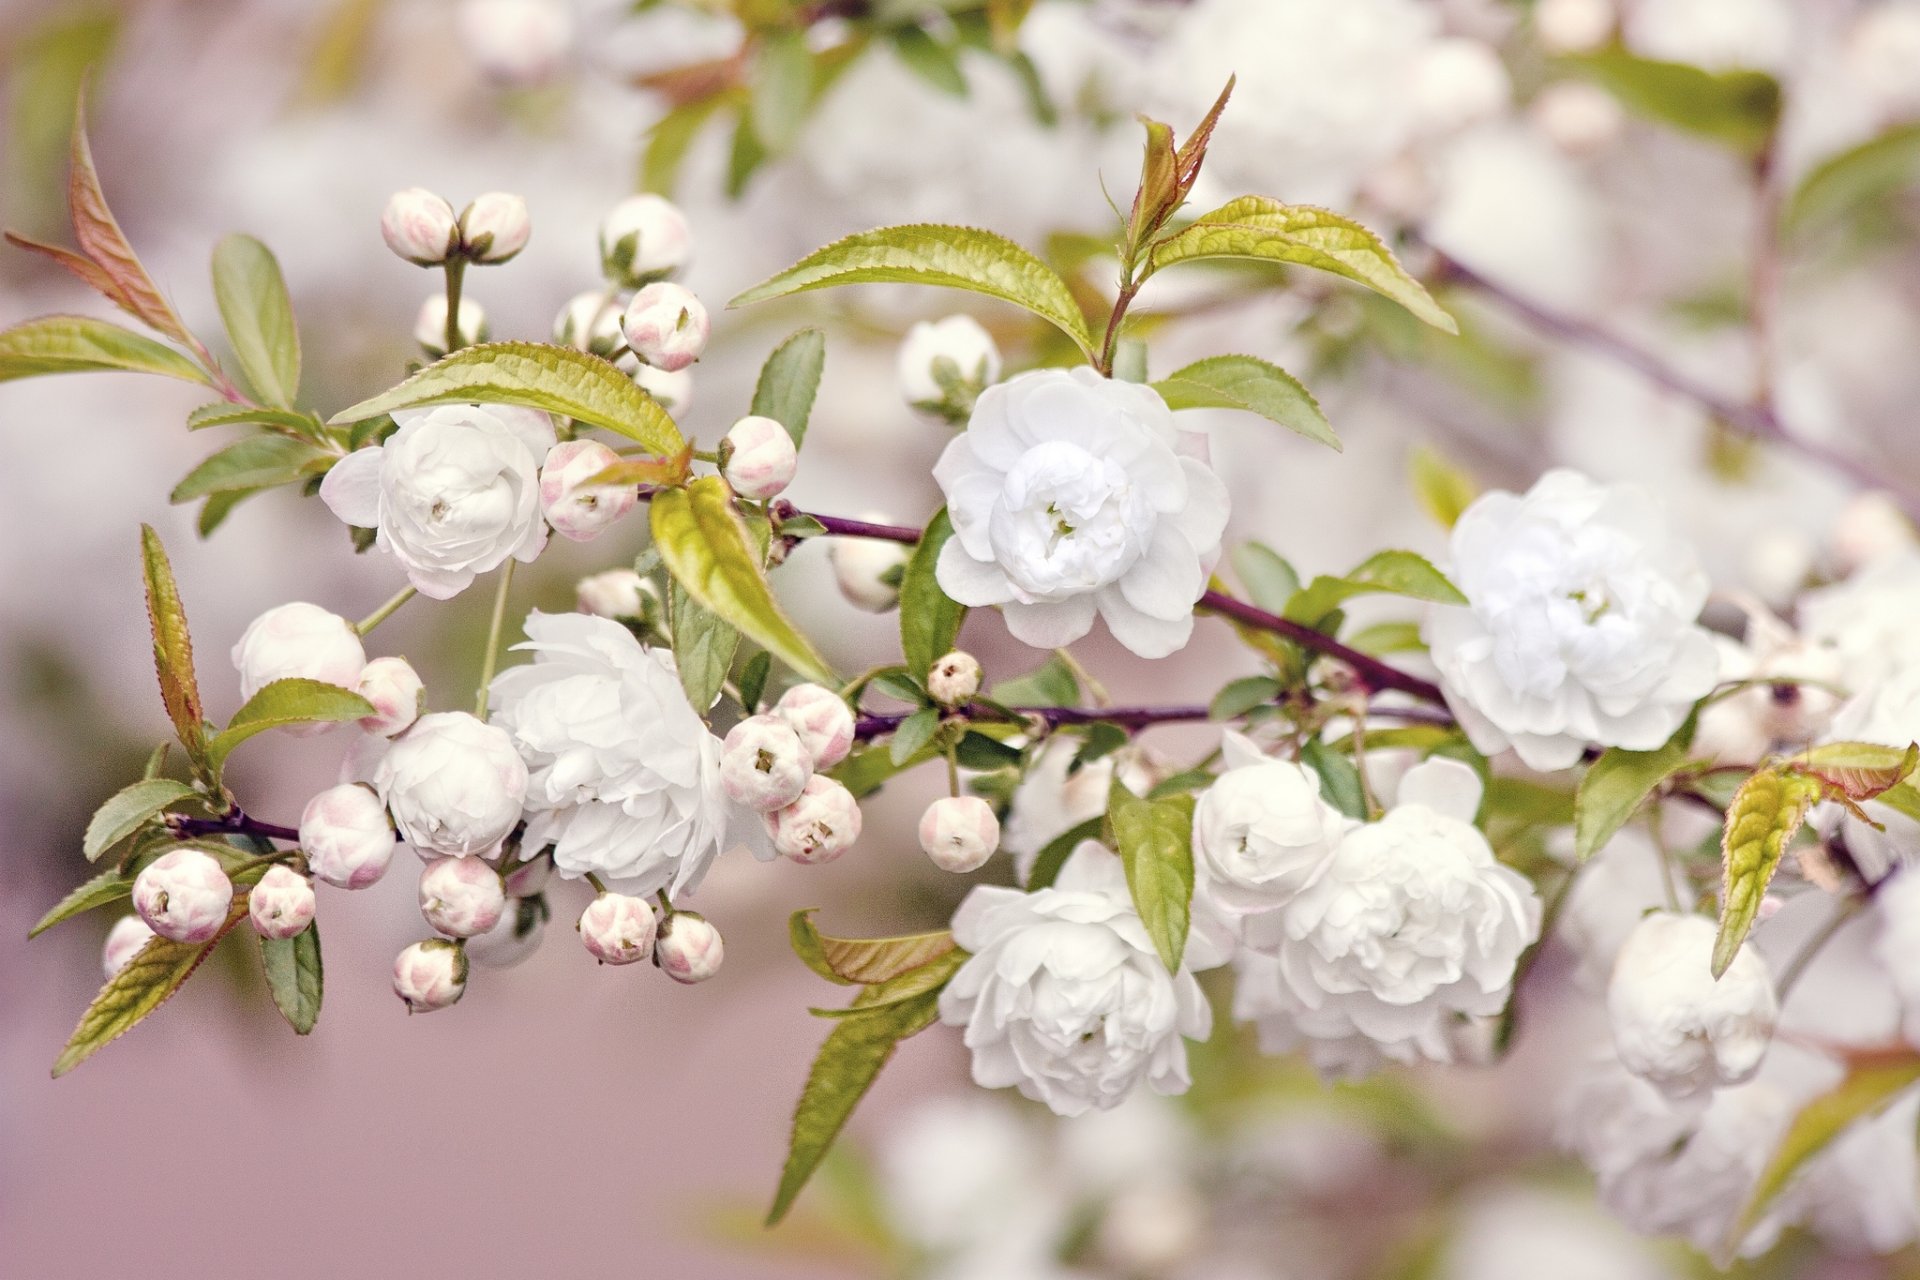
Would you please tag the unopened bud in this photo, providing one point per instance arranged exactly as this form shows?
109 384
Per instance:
944 365
954 679
617 593
420 227
495 227
666 326
461 896
347 836
618 929
590 322
124 940
184 895
822 719
298 641
396 692
959 833
758 457
643 239
763 763
430 326
689 949
430 975
281 905
868 570
672 388
579 511
521 43
819 826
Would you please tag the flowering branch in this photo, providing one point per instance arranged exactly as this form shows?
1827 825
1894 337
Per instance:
873 726
233 823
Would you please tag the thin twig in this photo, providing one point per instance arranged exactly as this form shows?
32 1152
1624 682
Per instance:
495 626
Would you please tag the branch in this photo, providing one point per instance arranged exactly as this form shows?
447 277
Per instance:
235 823
873 726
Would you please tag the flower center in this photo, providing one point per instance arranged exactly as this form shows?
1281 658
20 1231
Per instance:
1068 521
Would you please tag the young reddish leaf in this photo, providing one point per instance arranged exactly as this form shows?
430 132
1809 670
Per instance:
1861 770
172 646
101 239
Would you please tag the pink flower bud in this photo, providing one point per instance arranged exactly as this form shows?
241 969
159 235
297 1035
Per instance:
521 43
689 949
298 641
760 457
396 692
959 833
818 827
420 227
618 929
281 904
529 878
617 593
763 763
124 940
673 390
954 679
666 326
461 896
430 326
867 570
821 718
645 238
591 323
430 975
495 227
184 895
347 836
576 511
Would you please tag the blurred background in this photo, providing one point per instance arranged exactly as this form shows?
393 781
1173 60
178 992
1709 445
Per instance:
574 1120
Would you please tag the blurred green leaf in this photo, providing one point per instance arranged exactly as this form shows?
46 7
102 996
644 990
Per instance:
258 316
1738 108
1855 178
930 620
257 462
782 86
1613 790
932 61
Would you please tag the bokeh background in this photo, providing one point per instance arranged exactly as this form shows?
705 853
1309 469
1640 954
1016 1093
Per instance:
570 1120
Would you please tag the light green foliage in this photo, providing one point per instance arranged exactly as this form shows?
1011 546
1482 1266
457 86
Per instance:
1766 813
1400 573
703 647
1251 384
257 462
789 381
282 703
109 887
131 809
1270 581
932 61
782 85
258 315
295 977
1339 778
1155 841
1443 488
1614 789
1737 108
172 648
81 344
914 737
862 960
1855 179
929 618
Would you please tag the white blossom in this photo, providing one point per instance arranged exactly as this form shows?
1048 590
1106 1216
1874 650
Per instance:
521 929
495 227
396 692
645 238
1882 50
1720 35
673 388
183 895
617 928
461 896
1886 713
1578 117
1897 942
763 764
625 779
578 511
1579 626
517 42
822 719
1053 797
959 833
1064 996
1871 526
1573 26
346 834
1869 619
1673 1022
666 326
590 322
953 678
689 949
867 570
430 324
453 784
616 593
281 905
1069 495
947 362
299 641
454 492
821 823
420 227
1459 82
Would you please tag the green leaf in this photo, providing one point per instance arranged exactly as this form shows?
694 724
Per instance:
745 156
846 1067
1270 581
153 974
172 647
1903 799
789 380
1240 696
105 889
929 618
1244 382
1873 1081
1339 778
668 142
257 462
1860 770
222 413
1052 684
753 680
537 376
1881 166
81 344
1155 842
913 735
948 257
703 647
781 81
1443 489
1766 812
704 545
295 978
258 315
1267 230
286 702
930 60
128 810
1739 108
1400 573
863 960
1054 854
1613 791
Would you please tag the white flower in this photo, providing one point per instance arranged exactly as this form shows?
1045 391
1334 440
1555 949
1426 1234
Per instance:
346 834
822 719
953 678
625 777
964 1170
517 42
1888 714
299 641
1869 619
396 692
420 227
1459 82
616 593
1872 525
666 326
1897 943
590 322
430 324
430 975
689 948
763 764
1578 117
959 833
947 363
1064 996
760 458
1720 35
867 570
1579 626
1609 897
1882 50
1573 26
495 227
1263 999
1742 726
1053 797
454 492
818 826
1261 833
281 905
617 928
645 238
453 784
183 895
578 511
1068 494
124 940
461 897
1673 1023
1410 925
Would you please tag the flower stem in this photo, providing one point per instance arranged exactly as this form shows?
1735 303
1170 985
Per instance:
456 275
384 612
494 629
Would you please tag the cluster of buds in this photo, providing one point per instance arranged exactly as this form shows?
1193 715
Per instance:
423 228
620 929
770 763
944 365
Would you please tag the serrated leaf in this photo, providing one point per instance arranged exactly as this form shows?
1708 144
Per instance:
1251 384
789 380
703 646
1399 573
929 618
1613 790
913 735
105 889
1860 770
1265 229
154 974
81 344
537 376
703 543
128 810
1766 812
257 462
1443 489
1740 108
1270 581
100 239
258 316
295 978
1339 777
649 471
1054 854
842 1072
1155 841
1879 167
942 256
863 960
221 413
282 703
172 647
